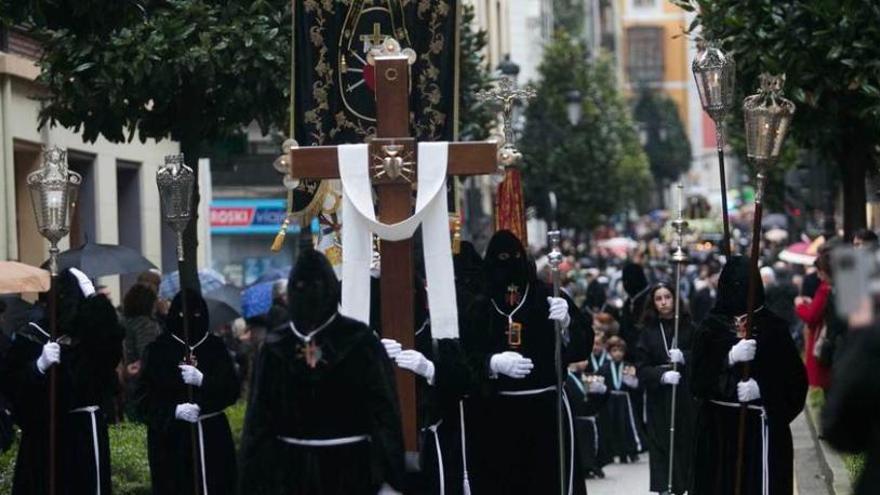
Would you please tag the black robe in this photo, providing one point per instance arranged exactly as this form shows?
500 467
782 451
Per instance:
439 413
781 376
86 378
169 440
585 407
652 360
348 394
515 448
598 365
621 418
851 415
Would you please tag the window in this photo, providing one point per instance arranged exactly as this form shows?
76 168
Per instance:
644 4
644 55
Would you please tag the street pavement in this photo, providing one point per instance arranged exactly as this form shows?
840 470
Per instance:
622 479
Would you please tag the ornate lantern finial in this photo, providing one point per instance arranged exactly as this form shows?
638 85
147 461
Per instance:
714 72
768 116
176 181
53 191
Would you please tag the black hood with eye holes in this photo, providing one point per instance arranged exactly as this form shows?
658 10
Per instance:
733 288
197 316
513 269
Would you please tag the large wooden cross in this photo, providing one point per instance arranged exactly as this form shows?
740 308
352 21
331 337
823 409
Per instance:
393 177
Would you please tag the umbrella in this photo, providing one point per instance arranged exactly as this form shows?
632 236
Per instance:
228 294
17 277
799 253
257 299
98 260
273 275
774 220
209 279
219 312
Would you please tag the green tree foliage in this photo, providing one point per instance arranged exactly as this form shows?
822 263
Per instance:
596 167
569 16
189 70
829 52
475 117
666 144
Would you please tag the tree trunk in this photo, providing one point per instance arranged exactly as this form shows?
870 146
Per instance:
854 160
189 277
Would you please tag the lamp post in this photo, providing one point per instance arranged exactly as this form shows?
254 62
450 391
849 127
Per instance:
768 115
176 183
53 189
714 71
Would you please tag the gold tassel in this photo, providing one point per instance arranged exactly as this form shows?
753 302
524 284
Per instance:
278 243
456 233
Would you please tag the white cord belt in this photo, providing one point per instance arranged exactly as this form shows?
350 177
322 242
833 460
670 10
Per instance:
592 419
433 429
324 442
765 440
92 410
534 391
202 447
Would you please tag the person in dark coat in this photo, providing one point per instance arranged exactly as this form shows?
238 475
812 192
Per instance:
171 365
851 417
85 355
323 416
656 352
774 394
509 336
587 397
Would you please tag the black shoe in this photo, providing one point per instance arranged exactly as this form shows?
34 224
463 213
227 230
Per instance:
624 460
634 458
599 473
589 475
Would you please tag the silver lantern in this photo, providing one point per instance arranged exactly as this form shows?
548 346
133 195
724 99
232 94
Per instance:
176 181
768 115
53 190
715 74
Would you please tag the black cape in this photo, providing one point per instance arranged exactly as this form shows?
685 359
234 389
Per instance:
86 377
169 440
851 417
652 361
349 393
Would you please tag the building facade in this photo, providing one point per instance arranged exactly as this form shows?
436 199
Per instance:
118 200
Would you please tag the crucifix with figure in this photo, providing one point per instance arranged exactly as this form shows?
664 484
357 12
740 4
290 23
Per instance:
393 171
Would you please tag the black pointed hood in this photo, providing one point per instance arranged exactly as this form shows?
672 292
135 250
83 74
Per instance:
634 279
197 312
312 291
733 288
506 264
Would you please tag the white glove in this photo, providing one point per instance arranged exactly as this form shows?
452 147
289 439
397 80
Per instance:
191 375
748 391
416 362
392 347
596 387
512 364
670 378
559 310
676 356
51 355
187 412
743 351
631 381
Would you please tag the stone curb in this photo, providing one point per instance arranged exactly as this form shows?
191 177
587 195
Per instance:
836 474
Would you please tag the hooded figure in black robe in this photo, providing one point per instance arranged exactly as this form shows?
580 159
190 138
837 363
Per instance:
172 415
509 337
85 356
443 379
655 353
323 416
635 283
774 394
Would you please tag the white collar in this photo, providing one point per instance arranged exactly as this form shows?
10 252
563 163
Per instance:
308 337
193 347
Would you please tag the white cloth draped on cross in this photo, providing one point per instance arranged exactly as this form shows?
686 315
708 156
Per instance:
359 219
